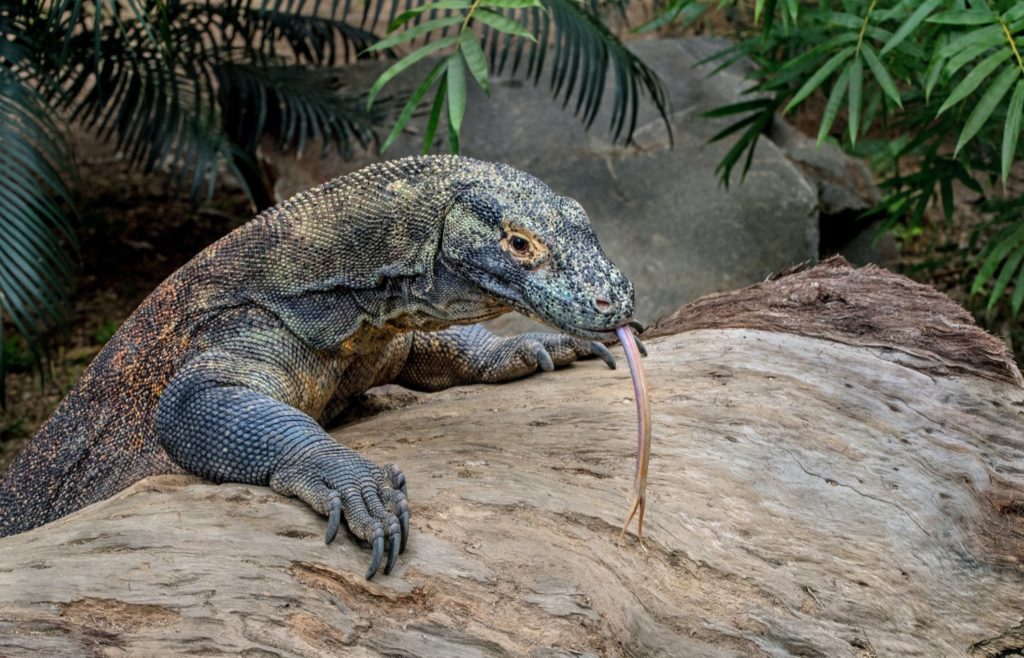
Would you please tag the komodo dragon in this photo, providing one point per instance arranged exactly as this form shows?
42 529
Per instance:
229 368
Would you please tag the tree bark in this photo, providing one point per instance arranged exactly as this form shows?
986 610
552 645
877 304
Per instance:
838 470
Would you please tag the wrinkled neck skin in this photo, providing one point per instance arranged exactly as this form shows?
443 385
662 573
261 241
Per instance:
356 254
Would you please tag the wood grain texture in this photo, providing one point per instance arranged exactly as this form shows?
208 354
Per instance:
806 497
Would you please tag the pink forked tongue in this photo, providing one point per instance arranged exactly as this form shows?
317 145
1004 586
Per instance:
643 433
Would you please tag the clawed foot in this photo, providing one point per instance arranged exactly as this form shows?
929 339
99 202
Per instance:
524 354
370 499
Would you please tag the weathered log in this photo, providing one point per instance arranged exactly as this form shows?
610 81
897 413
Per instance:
854 491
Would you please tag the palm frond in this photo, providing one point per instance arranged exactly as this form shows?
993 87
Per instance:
283 29
187 102
36 267
579 52
295 103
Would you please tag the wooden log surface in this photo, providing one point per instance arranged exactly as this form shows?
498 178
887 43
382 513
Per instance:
810 495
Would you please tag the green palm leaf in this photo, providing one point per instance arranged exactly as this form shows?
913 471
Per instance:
36 265
581 51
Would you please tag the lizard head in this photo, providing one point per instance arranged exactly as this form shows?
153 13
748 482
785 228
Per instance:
536 252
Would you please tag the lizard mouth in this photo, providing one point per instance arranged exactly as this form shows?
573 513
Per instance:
513 298
594 333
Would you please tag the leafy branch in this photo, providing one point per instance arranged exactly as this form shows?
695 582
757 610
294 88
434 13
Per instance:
905 77
584 50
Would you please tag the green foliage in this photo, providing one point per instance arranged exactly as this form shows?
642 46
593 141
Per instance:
906 77
104 332
180 88
16 354
581 48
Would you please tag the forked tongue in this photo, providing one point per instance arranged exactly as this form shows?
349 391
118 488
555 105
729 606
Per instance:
643 433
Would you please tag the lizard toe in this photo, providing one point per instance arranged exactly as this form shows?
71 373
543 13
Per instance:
404 520
544 361
379 504
396 476
378 553
394 549
637 330
600 351
334 517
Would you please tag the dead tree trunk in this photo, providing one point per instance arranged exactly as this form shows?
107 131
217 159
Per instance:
838 470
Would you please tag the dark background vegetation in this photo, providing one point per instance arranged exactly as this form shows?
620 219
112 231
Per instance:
132 129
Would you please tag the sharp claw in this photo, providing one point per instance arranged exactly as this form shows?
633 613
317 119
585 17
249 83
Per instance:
399 481
544 359
333 519
404 520
600 351
393 552
378 553
637 330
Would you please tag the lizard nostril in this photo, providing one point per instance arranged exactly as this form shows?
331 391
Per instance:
602 304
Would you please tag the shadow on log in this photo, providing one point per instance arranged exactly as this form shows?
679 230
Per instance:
838 470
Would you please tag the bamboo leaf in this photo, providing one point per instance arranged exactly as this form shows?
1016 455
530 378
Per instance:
412 104
835 99
1011 131
456 77
794 9
476 61
911 24
975 78
987 105
991 35
855 97
503 24
413 32
973 16
1006 272
968 55
819 76
1014 14
932 77
1018 294
429 6
404 63
512 4
435 115
995 252
841 19
882 76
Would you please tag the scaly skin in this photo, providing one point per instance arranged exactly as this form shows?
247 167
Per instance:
230 367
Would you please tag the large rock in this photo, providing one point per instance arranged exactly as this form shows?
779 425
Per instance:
660 212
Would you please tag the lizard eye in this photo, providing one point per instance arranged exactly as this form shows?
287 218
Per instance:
524 246
519 245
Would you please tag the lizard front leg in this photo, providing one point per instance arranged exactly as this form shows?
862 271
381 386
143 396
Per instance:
471 354
222 418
